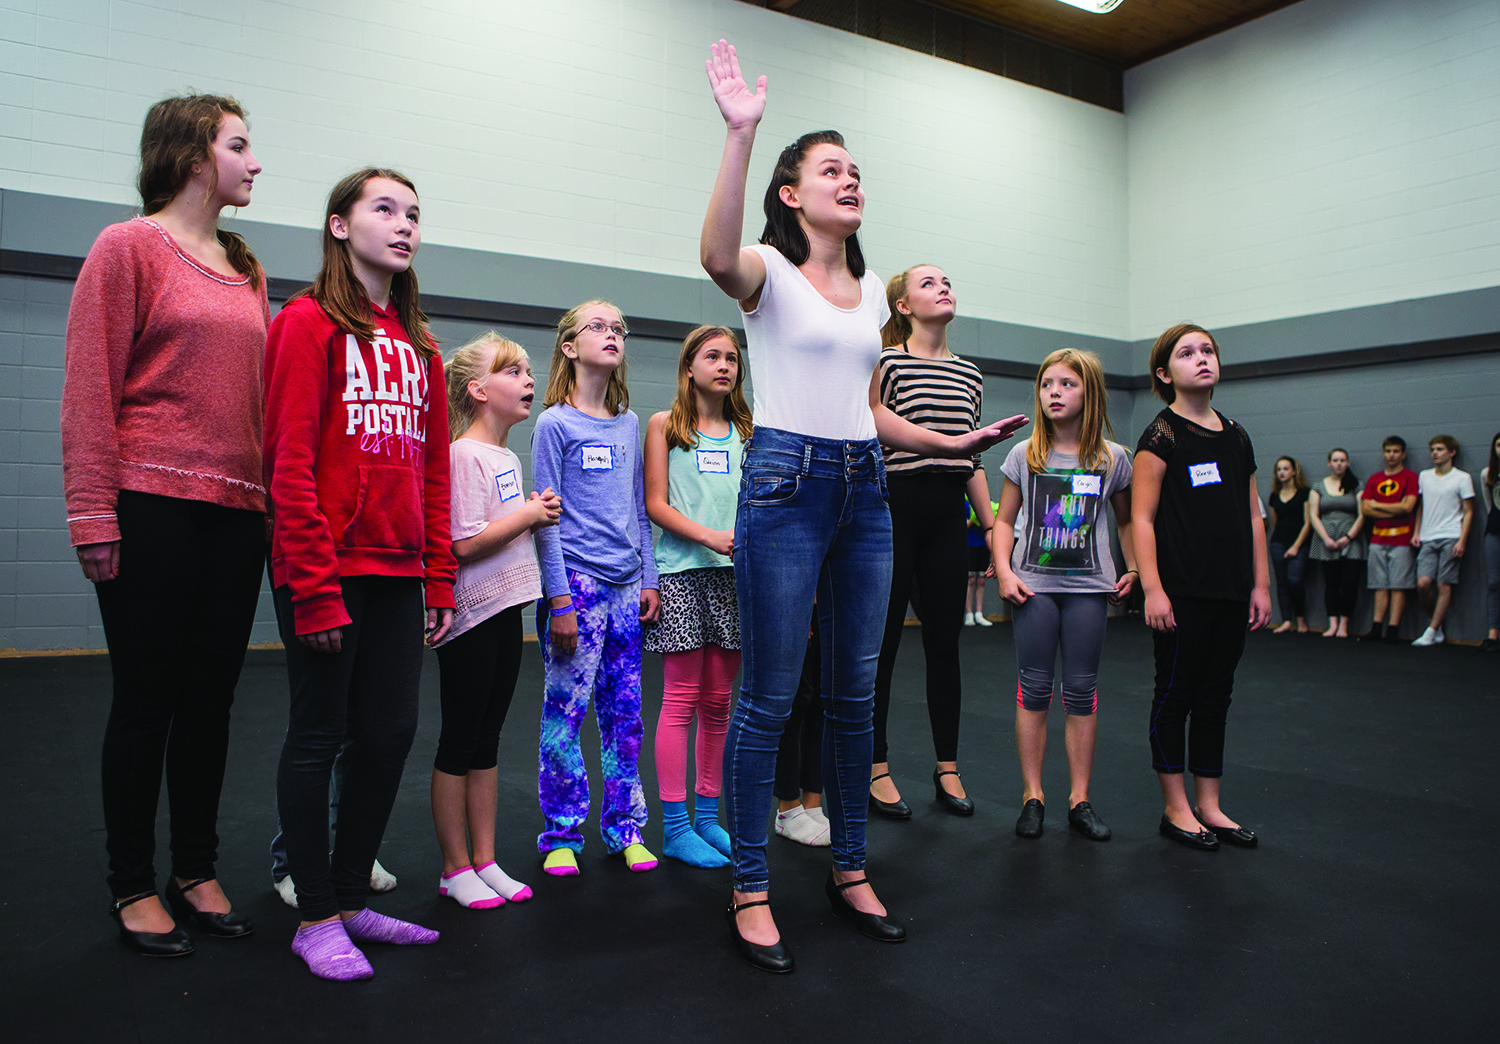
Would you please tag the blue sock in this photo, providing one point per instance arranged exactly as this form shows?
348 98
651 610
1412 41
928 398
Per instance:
706 823
681 843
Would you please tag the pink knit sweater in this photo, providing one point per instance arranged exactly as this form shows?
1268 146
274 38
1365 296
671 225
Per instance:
162 391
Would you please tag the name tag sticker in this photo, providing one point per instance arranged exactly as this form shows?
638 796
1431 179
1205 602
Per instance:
713 462
1204 474
598 458
508 485
1088 485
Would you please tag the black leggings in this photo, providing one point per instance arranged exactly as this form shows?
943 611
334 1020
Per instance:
799 759
177 620
1341 585
479 671
1195 676
930 541
366 694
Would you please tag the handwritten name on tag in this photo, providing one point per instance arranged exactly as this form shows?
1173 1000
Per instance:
1204 474
598 458
713 462
1088 485
508 485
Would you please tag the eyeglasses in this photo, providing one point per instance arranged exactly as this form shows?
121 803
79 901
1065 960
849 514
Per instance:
599 326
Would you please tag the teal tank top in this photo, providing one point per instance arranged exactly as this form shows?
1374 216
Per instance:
704 484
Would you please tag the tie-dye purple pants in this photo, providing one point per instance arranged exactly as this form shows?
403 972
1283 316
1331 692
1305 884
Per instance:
606 667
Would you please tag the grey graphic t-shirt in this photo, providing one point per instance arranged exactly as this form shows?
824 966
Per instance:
1062 531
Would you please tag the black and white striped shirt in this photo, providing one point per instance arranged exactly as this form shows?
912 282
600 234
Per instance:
944 395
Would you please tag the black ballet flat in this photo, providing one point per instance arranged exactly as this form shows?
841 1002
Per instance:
897 809
871 926
958 806
1202 840
776 958
175 943
1084 820
1239 837
1029 823
220 925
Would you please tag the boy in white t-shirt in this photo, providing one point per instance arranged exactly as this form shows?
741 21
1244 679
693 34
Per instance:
1443 515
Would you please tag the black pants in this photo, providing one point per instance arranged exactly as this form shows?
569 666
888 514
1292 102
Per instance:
799 759
367 694
1341 585
929 536
177 621
1194 677
479 672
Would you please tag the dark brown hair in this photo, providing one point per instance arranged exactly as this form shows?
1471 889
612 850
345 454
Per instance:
1161 354
782 230
178 133
682 422
338 290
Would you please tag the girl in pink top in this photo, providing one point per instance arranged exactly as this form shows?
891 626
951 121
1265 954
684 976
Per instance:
490 390
161 435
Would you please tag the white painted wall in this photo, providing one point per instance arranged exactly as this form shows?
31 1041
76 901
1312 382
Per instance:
1334 154
584 130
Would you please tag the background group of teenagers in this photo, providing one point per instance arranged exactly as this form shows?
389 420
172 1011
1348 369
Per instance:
206 441
1401 529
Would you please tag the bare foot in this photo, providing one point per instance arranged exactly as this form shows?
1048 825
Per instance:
1284 628
883 789
861 896
148 915
953 785
207 897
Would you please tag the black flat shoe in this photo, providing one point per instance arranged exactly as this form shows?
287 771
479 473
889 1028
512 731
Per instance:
897 809
1201 840
776 958
151 944
220 925
1084 820
1237 836
1030 824
871 926
958 806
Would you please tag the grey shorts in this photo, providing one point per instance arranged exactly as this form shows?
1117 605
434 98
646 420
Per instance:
1435 559
1393 567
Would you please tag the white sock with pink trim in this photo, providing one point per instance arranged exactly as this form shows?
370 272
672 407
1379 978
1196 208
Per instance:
502 883
465 887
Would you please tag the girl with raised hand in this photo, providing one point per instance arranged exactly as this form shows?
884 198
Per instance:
361 554
812 516
1290 528
692 456
599 583
1201 549
161 438
923 382
1060 575
490 390
1336 520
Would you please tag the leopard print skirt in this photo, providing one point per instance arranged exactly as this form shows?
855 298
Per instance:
698 608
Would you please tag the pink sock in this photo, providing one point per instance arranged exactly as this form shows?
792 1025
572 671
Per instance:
369 926
330 954
502 883
466 888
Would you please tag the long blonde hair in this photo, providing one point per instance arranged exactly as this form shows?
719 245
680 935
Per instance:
562 379
682 422
487 354
1092 452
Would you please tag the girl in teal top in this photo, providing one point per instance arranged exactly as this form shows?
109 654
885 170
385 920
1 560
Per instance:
692 463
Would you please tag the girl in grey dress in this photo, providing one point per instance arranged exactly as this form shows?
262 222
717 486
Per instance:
1333 510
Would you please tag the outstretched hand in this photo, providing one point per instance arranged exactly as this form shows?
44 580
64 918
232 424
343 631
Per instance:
740 106
982 439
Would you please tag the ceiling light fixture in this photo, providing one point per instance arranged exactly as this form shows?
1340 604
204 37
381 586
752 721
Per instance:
1093 6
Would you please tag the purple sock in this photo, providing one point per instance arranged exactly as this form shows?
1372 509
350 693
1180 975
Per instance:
369 926
330 954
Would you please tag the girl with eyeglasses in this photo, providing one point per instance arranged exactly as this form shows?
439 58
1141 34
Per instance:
812 516
599 587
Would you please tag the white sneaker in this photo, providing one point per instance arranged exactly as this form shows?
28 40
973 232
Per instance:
968 619
796 825
1429 637
287 891
381 879
982 620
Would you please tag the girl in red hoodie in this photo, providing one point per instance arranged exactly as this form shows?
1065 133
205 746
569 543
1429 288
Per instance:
360 545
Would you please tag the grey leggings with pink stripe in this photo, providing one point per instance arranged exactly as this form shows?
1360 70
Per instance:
1073 623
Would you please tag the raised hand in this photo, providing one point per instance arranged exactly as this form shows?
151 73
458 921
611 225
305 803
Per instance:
740 106
982 439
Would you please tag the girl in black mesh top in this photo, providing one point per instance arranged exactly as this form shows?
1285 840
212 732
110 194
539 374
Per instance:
1201 550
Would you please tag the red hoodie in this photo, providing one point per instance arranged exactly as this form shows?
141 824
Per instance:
357 488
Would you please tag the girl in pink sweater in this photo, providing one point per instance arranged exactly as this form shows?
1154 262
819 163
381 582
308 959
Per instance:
161 434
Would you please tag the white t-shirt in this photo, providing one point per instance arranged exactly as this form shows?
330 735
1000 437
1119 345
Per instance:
1442 503
811 361
485 485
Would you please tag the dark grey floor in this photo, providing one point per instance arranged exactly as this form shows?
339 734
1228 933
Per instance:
1367 914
